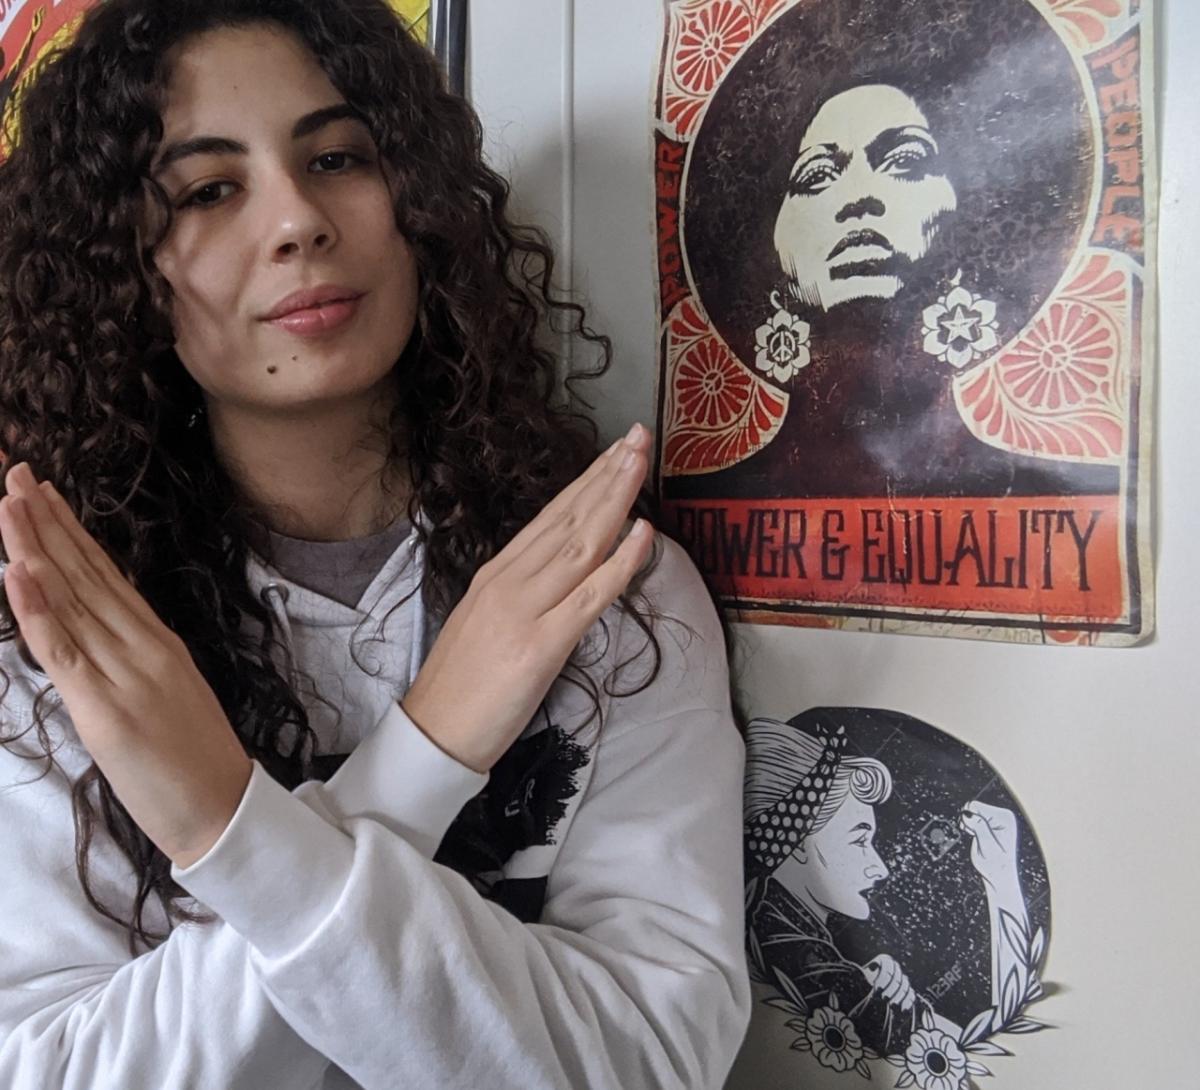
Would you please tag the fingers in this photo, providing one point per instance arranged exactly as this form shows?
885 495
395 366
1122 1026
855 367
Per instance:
51 644
978 826
891 982
570 549
101 564
579 610
100 622
898 991
65 615
636 439
66 539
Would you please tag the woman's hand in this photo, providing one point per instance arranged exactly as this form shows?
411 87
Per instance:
884 974
526 609
141 707
993 833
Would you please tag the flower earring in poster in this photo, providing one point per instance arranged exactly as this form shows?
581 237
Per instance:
782 342
960 327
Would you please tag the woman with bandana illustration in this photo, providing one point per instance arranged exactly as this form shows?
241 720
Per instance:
810 826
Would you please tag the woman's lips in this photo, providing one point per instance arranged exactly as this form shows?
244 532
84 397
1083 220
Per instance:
862 239
315 321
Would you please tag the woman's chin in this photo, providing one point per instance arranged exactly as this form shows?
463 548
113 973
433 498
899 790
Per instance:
856 909
862 289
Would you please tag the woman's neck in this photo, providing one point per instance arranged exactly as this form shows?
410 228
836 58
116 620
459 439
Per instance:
791 875
318 476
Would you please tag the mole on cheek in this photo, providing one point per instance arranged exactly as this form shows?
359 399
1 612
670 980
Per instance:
272 369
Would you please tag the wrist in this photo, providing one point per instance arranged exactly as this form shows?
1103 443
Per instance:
218 817
457 749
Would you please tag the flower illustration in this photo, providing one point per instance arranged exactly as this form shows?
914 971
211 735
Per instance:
782 344
960 327
1065 359
1089 18
708 41
934 1061
831 1037
710 387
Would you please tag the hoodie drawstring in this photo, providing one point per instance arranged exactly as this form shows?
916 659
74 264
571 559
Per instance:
275 596
417 652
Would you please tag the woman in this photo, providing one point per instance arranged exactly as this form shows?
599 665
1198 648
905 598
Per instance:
857 165
289 491
865 199
810 853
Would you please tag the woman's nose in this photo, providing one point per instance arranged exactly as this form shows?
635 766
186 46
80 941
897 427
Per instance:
864 206
298 222
859 191
877 869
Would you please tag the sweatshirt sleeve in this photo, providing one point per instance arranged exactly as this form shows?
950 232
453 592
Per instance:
78 1013
397 969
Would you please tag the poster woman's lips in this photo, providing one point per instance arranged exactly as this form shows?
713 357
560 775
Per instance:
863 237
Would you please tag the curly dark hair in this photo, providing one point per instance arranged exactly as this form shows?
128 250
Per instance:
92 394
999 88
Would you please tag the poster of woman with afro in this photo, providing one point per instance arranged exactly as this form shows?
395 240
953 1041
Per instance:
906 302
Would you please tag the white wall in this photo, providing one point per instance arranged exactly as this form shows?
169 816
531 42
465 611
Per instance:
1101 746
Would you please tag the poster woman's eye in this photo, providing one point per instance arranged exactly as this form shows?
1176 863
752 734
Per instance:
813 176
910 159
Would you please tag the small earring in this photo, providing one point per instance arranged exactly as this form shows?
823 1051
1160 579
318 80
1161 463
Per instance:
960 326
196 413
782 343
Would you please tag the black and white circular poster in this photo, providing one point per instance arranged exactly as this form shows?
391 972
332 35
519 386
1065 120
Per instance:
898 904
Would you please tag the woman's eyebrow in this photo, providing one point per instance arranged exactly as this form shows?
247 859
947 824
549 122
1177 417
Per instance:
224 145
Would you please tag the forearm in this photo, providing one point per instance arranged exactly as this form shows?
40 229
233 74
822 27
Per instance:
1008 920
635 977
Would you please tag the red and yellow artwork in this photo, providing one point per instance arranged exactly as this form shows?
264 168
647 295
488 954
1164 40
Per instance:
29 27
905 287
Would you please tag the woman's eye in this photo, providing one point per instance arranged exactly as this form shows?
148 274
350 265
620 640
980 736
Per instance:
814 178
911 157
339 157
197 199
335 162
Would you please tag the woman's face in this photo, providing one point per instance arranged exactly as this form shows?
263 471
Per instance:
865 198
272 200
838 863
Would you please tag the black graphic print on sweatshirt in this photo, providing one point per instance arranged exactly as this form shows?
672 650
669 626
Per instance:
525 798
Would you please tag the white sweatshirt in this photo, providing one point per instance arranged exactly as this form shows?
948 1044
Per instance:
345 956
